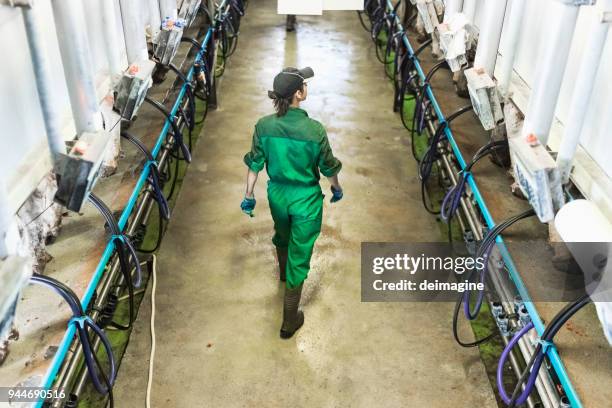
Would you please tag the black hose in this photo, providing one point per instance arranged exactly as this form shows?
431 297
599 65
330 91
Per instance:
456 331
83 324
535 362
125 250
452 199
176 131
465 298
431 154
154 177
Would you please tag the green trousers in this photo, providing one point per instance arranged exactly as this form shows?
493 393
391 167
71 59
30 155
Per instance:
297 212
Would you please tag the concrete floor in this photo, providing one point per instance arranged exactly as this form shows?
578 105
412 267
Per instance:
219 301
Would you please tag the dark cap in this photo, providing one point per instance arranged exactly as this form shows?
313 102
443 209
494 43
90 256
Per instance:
289 80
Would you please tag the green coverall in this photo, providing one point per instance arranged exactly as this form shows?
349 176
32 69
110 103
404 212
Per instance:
293 148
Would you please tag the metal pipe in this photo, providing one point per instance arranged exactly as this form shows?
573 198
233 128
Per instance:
168 9
115 282
544 384
133 31
154 19
552 58
42 74
452 7
64 346
476 228
111 39
469 9
512 36
583 89
490 34
552 353
78 69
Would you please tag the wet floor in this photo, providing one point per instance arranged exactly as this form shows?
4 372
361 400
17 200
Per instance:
219 302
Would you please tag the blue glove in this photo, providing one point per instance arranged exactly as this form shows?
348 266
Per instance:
337 195
248 205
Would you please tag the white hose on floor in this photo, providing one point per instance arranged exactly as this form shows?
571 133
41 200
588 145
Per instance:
152 355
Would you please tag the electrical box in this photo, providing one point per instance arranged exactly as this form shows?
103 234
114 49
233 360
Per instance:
79 169
132 88
537 176
484 96
15 271
189 10
453 37
169 40
428 14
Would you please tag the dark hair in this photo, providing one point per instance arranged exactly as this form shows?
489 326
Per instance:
281 105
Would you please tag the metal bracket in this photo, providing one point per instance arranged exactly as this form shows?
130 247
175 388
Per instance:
132 88
79 170
537 175
427 13
189 10
168 40
485 97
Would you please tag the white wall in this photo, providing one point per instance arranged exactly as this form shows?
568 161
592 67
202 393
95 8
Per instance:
24 157
596 139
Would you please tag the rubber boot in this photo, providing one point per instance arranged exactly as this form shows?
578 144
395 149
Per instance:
293 318
281 254
290 22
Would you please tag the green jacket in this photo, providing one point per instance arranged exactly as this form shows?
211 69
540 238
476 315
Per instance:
294 149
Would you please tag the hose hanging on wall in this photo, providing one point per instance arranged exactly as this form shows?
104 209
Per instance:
408 81
189 114
83 323
154 177
452 199
162 202
125 251
484 252
431 154
422 100
530 373
465 298
201 76
176 131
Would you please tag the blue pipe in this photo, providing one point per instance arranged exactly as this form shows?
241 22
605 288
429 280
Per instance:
552 353
62 350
